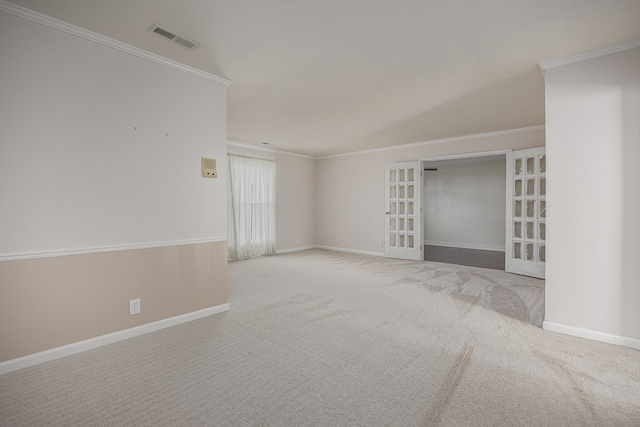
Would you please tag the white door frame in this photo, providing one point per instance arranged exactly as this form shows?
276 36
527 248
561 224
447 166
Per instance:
467 155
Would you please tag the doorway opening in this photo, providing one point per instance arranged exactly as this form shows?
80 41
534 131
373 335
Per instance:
464 209
517 224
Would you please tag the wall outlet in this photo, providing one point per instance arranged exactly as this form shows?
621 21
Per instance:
134 306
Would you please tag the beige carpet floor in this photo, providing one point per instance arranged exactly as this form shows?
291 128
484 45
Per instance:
319 338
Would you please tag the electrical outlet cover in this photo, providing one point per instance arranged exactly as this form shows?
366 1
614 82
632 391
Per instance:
134 306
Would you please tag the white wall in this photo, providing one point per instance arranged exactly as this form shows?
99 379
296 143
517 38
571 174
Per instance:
295 196
593 152
351 205
100 153
100 148
464 206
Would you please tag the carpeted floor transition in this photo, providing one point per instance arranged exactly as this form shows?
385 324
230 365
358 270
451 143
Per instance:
319 338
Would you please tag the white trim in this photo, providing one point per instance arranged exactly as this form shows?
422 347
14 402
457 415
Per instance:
468 155
40 18
591 335
351 251
441 141
267 149
590 54
415 144
303 248
83 251
465 246
80 346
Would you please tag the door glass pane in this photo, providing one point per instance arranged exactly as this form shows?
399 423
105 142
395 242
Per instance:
542 164
402 191
410 192
401 241
410 208
542 253
530 252
401 208
393 193
531 187
410 242
518 188
392 178
518 167
394 208
530 165
531 205
392 224
410 224
517 250
410 173
543 186
392 240
401 224
401 178
542 231
517 229
542 206
530 230
518 209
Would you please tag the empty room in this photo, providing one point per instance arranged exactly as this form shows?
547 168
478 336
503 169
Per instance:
336 213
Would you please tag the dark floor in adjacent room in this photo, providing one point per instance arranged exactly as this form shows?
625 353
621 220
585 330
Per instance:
468 257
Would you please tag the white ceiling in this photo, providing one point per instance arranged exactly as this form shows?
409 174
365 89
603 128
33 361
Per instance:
323 77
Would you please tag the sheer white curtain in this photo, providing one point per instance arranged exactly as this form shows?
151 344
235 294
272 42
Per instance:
251 206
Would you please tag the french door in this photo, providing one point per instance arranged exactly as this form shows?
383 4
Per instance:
526 231
403 218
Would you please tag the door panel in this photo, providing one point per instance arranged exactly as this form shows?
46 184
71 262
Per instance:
526 232
403 218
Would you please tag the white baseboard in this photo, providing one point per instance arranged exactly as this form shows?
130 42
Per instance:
302 248
465 245
351 251
91 343
592 335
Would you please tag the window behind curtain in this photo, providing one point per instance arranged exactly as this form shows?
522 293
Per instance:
252 206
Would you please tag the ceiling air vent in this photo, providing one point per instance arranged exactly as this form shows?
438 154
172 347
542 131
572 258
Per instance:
171 35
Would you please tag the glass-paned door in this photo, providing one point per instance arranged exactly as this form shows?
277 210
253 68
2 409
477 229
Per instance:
403 218
526 232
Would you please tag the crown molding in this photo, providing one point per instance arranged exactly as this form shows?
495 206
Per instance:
590 54
441 141
477 154
392 147
267 149
40 18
